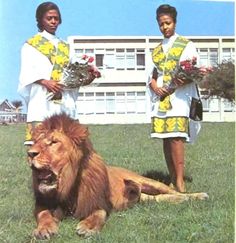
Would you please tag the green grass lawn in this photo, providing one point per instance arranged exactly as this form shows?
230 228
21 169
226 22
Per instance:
210 162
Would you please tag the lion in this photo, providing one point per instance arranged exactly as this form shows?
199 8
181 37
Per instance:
71 179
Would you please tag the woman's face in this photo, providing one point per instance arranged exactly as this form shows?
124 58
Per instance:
166 25
50 21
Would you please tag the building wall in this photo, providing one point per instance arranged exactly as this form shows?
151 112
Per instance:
119 96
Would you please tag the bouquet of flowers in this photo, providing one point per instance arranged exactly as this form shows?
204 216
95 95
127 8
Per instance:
79 73
187 72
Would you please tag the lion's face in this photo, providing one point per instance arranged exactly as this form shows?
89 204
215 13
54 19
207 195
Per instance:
47 158
54 158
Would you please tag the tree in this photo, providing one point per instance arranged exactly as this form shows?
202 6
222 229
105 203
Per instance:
221 81
18 104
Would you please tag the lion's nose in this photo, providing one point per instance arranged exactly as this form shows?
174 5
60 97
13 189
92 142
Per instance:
32 154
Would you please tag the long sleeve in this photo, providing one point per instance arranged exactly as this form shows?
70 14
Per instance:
151 93
34 66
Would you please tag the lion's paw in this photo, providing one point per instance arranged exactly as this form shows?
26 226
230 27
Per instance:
44 233
82 229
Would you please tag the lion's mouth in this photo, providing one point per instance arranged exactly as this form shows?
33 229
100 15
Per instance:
45 177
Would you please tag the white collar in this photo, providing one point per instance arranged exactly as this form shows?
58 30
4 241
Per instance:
47 35
170 40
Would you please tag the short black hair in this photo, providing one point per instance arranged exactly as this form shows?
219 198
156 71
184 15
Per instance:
42 9
166 9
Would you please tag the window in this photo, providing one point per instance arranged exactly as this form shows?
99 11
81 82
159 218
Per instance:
141 102
79 51
80 101
203 54
131 102
89 103
120 59
213 56
120 103
228 106
214 104
109 59
227 54
130 59
89 51
233 54
100 103
99 60
140 59
110 103
205 104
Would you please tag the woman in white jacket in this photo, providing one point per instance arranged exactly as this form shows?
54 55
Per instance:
43 57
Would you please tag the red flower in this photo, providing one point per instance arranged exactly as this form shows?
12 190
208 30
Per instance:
187 72
84 57
91 59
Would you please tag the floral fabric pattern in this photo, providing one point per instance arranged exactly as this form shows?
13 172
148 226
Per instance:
58 57
170 124
166 63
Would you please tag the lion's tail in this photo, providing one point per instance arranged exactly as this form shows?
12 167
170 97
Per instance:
174 198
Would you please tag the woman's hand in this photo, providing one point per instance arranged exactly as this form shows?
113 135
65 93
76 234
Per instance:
160 91
51 85
181 81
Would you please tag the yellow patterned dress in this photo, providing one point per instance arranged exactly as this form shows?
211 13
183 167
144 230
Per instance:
170 117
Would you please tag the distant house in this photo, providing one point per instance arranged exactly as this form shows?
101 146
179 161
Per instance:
8 112
6 105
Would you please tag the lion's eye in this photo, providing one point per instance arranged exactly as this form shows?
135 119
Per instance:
54 141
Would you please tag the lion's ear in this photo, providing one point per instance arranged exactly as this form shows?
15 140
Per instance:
37 130
132 190
79 134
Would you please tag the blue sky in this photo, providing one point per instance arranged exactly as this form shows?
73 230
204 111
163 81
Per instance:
103 17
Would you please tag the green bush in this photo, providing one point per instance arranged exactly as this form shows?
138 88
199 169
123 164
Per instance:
221 81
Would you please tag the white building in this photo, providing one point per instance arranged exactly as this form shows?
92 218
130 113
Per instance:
120 95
